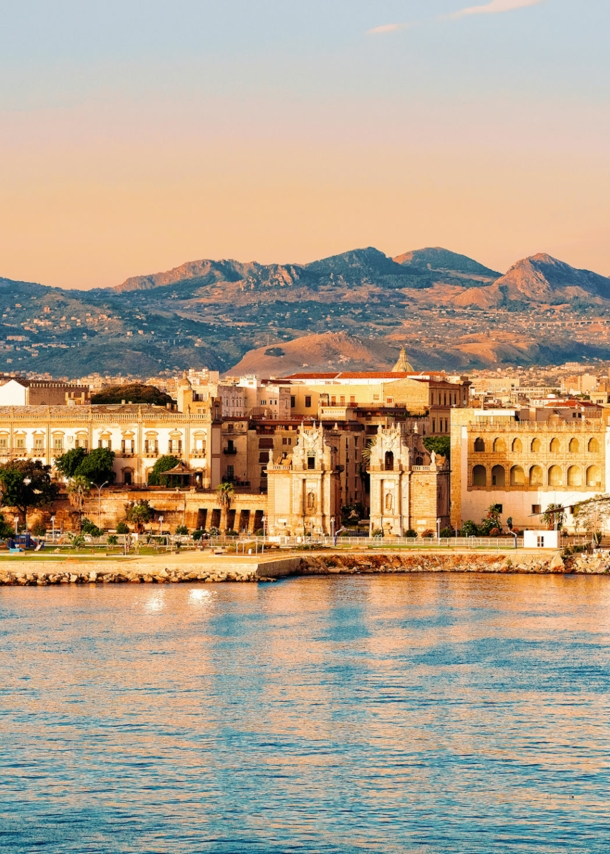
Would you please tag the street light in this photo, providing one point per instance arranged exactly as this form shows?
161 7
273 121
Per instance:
27 481
53 528
160 525
99 502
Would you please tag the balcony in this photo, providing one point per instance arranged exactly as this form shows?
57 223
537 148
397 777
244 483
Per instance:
229 451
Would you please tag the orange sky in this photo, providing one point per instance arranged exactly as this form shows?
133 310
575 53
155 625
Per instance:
448 133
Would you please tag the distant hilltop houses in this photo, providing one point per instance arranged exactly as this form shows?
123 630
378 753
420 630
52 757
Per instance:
401 450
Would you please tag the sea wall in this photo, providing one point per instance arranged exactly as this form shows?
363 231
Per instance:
192 568
412 562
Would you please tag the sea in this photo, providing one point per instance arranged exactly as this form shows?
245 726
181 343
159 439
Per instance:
413 713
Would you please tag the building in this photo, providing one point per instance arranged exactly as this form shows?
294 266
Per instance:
432 394
138 435
526 460
17 391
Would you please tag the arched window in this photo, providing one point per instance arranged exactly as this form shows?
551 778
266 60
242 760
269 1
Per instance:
498 476
419 461
574 446
499 446
536 446
517 446
593 446
554 446
479 476
574 476
389 501
536 476
555 476
594 477
389 461
479 445
517 476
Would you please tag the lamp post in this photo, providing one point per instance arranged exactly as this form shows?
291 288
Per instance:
53 528
438 530
16 524
160 525
99 503
332 527
27 481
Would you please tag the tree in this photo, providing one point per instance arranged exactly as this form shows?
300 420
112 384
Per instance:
25 484
492 520
225 492
593 515
164 463
96 466
78 489
69 462
132 393
553 516
440 445
139 513
6 530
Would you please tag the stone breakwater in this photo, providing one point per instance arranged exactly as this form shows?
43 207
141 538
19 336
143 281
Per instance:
514 562
230 569
42 577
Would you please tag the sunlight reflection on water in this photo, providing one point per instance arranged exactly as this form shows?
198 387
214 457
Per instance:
418 713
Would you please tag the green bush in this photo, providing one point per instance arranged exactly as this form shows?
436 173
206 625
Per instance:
122 528
214 532
232 533
428 534
39 530
113 540
182 530
411 533
447 532
377 532
87 527
76 540
198 534
469 529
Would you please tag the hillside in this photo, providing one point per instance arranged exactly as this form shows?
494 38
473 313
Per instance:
355 308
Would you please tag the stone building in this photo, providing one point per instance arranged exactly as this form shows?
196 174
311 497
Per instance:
138 435
525 460
409 487
432 394
17 391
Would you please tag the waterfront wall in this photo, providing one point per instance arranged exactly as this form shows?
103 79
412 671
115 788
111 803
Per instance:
193 567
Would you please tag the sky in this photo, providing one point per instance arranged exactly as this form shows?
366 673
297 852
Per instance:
136 135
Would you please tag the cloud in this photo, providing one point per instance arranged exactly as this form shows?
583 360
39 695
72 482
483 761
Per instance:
496 6
388 28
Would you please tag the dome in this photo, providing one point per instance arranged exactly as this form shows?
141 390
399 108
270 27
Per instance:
403 366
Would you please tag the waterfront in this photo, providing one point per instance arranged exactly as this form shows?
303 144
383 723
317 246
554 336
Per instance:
412 713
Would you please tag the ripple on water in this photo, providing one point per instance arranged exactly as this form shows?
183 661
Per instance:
391 714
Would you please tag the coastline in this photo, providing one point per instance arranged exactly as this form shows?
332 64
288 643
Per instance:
199 568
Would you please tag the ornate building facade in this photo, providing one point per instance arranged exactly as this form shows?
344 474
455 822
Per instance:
525 460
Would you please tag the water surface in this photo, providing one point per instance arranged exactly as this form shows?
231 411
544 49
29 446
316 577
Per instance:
395 714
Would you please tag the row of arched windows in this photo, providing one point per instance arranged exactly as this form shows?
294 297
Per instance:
537 476
574 446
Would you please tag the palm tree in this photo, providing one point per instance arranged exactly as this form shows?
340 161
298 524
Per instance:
78 489
225 492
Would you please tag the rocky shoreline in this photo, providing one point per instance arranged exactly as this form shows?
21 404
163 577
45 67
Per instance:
229 569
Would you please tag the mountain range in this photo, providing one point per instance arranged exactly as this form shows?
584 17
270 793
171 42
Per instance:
354 309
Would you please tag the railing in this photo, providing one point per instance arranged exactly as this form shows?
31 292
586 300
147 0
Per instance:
367 543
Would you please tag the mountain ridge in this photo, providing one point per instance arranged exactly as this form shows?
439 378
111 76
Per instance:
448 308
